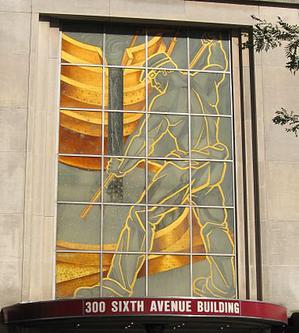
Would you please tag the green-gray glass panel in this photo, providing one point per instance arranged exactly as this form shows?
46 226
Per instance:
211 138
168 136
168 183
210 93
78 183
209 51
212 183
169 275
168 91
214 276
125 46
124 228
77 232
173 46
213 230
125 277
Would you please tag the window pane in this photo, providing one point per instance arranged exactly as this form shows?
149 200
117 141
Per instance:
214 276
125 46
82 48
79 178
209 51
129 185
210 93
168 136
213 230
172 231
167 89
169 275
124 275
80 132
76 230
211 138
76 274
170 43
124 228
212 184
168 183
82 87
125 134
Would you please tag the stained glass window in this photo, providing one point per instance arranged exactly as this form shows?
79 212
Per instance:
146 164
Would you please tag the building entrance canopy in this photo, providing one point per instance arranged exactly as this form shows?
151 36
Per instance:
151 315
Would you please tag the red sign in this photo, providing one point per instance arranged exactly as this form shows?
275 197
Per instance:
107 307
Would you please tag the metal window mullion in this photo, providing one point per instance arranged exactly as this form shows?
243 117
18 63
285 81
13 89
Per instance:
148 158
149 68
190 168
102 162
63 202
57 171
233 159
77 109
146 168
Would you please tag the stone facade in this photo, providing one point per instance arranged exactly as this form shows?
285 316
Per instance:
28 138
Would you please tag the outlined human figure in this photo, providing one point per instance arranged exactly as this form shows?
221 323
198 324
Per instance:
168 137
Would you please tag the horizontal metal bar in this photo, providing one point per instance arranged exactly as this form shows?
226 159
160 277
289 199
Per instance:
152 112
85 203
146 68
152 158
148 253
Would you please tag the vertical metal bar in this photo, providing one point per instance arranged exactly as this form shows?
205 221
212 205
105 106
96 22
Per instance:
190 166
57 162
232 135
102 162
146 166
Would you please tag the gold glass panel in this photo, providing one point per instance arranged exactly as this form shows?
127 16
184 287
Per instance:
80 132
82 48
82 87
171 233
75 271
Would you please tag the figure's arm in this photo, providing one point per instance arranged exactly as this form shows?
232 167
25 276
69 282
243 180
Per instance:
136 145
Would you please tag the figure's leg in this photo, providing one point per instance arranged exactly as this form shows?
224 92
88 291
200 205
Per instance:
217 239
169 186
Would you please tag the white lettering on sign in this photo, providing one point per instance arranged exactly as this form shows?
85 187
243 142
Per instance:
127 306
95 307
170 306
218 307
